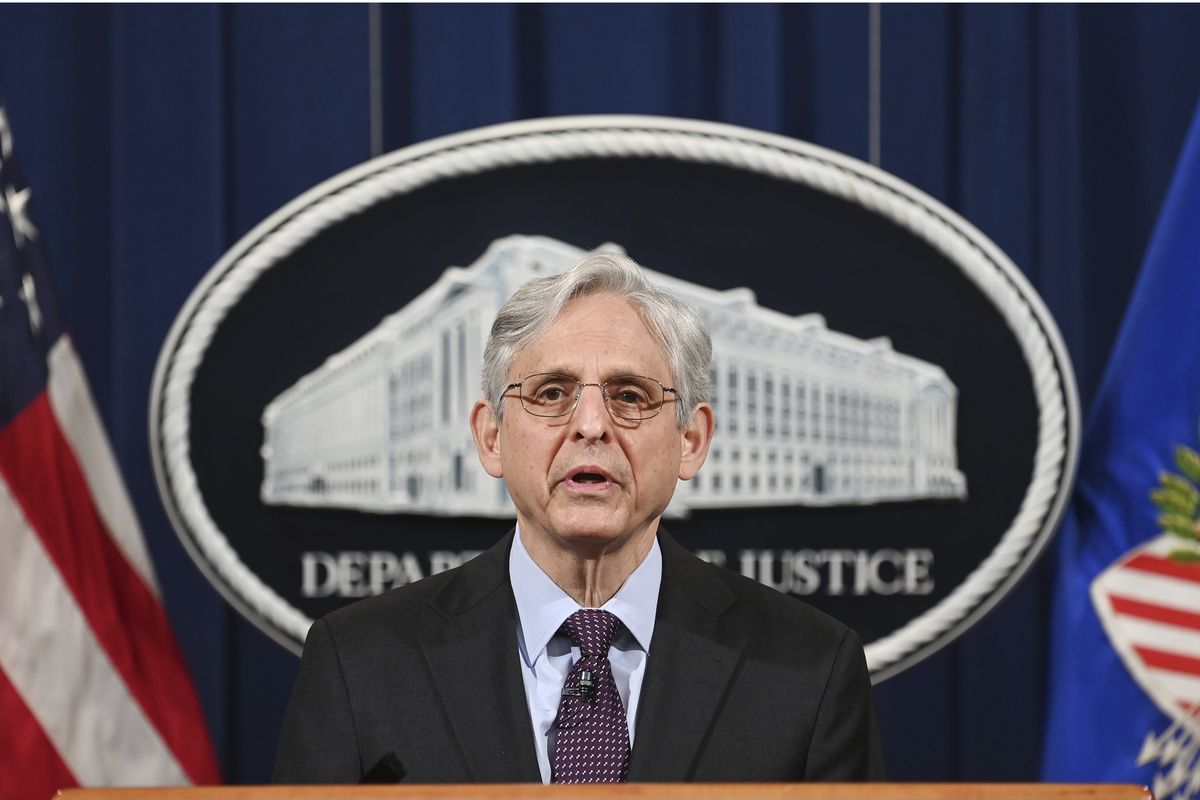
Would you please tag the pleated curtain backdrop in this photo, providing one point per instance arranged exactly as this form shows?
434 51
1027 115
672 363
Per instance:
154 137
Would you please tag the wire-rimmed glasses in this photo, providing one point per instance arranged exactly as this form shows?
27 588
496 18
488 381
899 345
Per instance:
628 397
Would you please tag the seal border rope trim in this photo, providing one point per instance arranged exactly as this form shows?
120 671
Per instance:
547 140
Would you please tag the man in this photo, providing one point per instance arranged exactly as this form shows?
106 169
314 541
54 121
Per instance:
587 645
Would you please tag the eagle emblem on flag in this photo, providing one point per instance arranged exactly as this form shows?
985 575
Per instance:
1149 604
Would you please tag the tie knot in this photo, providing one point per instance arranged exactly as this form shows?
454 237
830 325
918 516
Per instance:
592 630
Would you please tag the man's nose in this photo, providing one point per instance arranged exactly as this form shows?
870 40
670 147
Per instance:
591 419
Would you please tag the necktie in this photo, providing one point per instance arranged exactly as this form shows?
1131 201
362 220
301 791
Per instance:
592 737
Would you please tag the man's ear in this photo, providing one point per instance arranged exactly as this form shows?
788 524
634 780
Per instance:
486 432
694 441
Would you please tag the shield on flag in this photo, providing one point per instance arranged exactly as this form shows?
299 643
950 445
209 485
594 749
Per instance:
1149 605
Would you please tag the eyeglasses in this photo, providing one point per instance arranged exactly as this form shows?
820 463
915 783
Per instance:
630 397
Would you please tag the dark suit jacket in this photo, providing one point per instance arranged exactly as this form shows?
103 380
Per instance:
742 684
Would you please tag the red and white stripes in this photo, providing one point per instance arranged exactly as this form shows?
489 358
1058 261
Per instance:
93 688
1150 607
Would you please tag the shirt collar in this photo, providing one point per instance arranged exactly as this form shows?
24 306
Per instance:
542 606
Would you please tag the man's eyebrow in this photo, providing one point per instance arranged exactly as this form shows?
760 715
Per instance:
565 373
619 372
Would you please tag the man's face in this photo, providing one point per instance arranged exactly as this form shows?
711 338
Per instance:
588 481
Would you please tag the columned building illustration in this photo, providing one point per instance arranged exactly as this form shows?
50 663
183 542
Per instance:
806 415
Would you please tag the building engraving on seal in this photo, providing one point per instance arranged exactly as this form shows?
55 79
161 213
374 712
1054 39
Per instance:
806 415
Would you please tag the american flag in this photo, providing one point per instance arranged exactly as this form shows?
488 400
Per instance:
93 687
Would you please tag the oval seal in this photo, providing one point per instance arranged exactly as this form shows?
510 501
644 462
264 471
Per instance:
897 417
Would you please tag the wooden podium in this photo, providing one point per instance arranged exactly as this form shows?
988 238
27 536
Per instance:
638 791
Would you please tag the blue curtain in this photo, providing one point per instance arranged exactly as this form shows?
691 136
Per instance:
154 137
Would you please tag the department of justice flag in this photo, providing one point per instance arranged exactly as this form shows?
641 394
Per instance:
93 688
1124 688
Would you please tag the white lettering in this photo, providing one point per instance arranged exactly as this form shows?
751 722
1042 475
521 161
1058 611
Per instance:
357 573
350 576
310 566
878 559
805 568
412 568
836 560
746 559
838 572
383 570
917 573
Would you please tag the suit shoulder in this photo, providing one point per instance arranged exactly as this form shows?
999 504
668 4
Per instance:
403 599
362 626
776 604
719 588
449 591
776 622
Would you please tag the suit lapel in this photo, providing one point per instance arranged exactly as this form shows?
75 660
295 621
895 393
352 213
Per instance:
692 659
468 636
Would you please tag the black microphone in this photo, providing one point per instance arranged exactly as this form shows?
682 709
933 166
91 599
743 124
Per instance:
586 688
387 770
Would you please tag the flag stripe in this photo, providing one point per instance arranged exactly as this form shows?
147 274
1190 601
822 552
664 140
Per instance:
1151 587
1128 632
1174 662
1179 687
30 764
1172 687
1157 635
81 427
127 619
1164 566
1157 613
55 663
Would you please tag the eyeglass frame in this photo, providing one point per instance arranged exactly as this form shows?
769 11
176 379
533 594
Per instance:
601 386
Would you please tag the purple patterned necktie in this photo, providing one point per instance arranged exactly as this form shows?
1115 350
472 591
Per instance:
592 738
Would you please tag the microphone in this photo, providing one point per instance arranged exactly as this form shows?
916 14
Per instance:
586 688
387 770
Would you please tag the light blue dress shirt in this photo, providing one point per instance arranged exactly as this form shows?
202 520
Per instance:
546 657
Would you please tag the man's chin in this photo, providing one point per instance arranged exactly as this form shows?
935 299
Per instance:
600 533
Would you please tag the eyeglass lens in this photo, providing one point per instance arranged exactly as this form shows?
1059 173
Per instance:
628 397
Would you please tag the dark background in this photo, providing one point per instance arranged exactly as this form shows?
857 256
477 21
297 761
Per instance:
800 249
155 137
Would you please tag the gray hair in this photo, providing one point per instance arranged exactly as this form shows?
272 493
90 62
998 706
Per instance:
676 327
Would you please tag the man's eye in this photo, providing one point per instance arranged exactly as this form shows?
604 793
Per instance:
550 394
630 395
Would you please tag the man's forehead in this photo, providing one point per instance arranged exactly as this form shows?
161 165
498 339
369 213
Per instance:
600 331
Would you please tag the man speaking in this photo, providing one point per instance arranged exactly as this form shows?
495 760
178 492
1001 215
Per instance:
587 646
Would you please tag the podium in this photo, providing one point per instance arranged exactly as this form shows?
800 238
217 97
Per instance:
637 791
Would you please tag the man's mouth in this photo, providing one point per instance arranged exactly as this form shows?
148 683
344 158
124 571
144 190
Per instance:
588 476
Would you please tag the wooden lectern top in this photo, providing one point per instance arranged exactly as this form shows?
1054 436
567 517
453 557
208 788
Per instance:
637 791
